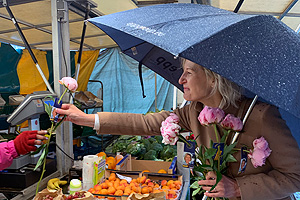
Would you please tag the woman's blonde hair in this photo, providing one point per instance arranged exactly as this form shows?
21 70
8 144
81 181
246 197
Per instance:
231 93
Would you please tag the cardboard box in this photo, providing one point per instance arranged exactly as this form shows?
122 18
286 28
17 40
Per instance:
155 178
129 164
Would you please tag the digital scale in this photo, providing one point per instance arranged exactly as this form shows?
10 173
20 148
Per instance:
29 109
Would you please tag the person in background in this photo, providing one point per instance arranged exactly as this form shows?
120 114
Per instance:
278 178
22 144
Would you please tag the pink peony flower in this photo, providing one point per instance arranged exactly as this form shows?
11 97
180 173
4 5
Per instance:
210 115
260 152
260 143
233 123
170 129
173 118
70 83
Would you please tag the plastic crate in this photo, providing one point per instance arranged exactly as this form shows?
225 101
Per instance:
2 101
15 99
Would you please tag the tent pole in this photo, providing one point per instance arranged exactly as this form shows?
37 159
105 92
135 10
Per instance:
238 6
81 42
13 19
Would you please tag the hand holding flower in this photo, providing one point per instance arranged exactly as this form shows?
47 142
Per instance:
227 187
74 115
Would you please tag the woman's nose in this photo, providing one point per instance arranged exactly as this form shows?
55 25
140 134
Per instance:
181 80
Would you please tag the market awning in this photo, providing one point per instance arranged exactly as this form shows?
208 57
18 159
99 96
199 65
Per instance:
34 18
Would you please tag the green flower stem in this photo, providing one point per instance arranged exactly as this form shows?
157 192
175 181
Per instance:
44 161
181 138
219 157
62 95
228 132
216 132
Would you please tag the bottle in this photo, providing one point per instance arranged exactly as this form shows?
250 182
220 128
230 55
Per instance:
75 186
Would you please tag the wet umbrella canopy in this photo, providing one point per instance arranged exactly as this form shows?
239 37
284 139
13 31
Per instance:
258 52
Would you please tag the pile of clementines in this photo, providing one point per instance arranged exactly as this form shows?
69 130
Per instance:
142 185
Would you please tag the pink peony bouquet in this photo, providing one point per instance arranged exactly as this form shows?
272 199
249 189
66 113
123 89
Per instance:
219 154
70 85
216 157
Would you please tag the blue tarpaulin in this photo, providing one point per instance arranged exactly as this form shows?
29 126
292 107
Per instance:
122 90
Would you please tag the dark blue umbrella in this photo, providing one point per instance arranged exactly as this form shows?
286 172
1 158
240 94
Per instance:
258 52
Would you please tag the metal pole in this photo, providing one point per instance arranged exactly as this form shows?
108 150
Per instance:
246 117
62 68
238 6
13 19
81 42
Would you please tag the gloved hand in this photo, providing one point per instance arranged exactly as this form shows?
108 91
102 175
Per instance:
25 142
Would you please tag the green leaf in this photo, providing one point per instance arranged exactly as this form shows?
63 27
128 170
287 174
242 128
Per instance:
48 109
41 160
228 149
230 158
209 153
195 185
196 191
38 149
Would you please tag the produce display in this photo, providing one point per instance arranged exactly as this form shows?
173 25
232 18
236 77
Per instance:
144 148
141 185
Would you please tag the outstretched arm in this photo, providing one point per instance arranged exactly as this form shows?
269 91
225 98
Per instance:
76 116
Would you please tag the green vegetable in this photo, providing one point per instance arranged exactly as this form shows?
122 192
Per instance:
152 140
134 149
120 146
168 153
147 144
150 155
157 148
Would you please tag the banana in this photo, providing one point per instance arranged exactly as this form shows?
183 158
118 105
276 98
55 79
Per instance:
55 183
62 182
51 183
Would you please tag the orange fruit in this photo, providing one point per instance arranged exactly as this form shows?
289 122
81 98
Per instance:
145 190
104 192
127 190
120 187
112 177
104 185
110 184
163 182
123 181
171 194
97 187
143 179
111 190
145 171
119 193
91 190
170 182
162 171
110 163
101 154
